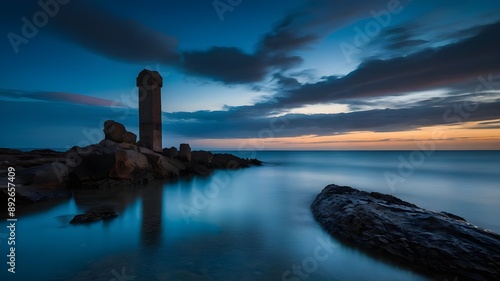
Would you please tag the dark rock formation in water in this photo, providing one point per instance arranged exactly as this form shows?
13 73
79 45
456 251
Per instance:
94 215
203 157
229 161
438 244
115 161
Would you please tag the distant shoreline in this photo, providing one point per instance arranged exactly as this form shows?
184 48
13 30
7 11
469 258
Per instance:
274 150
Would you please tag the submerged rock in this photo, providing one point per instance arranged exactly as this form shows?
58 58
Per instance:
441 245
94 215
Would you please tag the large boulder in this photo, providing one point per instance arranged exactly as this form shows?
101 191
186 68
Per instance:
145 150
108 143
93 162
438 244
159 163
177 164
116 132
129 137
129 163
185 152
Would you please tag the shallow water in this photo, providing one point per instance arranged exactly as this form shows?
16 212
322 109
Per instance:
250 224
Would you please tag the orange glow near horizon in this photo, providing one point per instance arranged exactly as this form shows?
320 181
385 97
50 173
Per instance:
465 136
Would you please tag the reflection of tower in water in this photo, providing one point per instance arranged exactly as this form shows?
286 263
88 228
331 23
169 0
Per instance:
152 207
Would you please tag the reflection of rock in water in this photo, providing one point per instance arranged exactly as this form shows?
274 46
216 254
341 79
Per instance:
152 206
117 198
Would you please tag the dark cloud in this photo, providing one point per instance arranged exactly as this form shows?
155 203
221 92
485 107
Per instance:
430 30
428 69
87 24
275 51
315 20
488 125
404 44
287 41
233 66
399 38
467 32
284 82
435 101
84 123
230 65
105 33
310 74
454 67
224 124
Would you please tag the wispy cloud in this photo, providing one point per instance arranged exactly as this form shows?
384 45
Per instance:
237 123
276 50
428 69
59 97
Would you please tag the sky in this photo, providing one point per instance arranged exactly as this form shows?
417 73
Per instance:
255 75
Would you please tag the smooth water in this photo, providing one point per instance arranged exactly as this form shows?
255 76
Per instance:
250 224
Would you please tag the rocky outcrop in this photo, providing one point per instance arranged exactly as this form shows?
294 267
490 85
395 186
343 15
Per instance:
162 167
109 164
40 175
13 157
129 164
116 132
438 244
50 175
203 157
115 161
229 161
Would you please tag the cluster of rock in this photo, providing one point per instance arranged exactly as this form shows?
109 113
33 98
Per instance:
438 244
116 160
37 174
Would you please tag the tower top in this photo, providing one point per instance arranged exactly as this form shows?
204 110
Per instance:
148 78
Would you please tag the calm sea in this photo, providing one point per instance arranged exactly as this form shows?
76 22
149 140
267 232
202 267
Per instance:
250 224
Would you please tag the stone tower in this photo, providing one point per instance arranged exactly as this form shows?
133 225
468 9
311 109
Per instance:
149 84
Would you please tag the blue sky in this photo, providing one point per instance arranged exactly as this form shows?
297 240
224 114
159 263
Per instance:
382 72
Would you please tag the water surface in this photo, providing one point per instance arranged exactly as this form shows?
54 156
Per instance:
250 224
